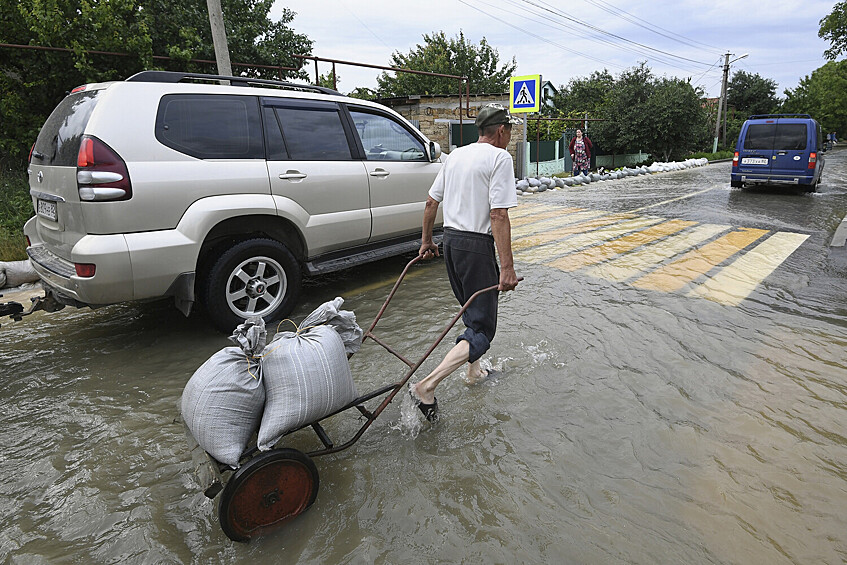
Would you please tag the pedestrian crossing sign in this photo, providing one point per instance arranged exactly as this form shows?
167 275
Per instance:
525 93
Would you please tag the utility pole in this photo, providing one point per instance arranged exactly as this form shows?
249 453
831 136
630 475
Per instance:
216 19
722 101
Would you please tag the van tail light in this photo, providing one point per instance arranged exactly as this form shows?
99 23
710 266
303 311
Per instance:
813 158
28 242
85 270
735 159
101 174
31 149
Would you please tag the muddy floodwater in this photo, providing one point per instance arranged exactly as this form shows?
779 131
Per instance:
623 426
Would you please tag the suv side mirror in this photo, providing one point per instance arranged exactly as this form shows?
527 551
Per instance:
434 151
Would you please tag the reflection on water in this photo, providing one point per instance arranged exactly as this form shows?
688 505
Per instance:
625 426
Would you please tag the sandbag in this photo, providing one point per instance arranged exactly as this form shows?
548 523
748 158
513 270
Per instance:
306 377
223 400
343 321
16 273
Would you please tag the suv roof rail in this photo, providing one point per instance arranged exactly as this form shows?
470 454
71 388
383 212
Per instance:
757 116
175 77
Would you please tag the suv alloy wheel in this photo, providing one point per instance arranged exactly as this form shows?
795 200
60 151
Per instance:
257 277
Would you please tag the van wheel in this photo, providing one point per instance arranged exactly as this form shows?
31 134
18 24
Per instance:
257 277
736 184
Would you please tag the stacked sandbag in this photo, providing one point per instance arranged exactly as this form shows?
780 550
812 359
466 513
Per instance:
296 379
16 273
223 400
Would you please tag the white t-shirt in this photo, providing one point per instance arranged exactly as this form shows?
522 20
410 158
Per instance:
474 180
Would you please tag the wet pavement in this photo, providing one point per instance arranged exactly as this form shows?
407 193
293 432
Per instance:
672 389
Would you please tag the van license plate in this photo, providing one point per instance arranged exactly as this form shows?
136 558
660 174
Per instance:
47 209
753 161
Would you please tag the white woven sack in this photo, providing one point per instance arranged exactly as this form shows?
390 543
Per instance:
222 402
306 377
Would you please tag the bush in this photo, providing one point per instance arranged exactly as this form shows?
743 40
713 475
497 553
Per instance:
15 210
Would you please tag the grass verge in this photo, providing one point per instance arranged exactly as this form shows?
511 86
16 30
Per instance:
15 210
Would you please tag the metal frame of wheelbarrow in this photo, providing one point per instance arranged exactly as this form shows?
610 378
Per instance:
275 486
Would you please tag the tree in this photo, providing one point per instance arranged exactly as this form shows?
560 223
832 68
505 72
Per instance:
628 123
455 56
751 94
678 119
33 82
823 95
584 95
833 28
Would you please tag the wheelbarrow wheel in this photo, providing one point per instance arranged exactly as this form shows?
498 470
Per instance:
267 491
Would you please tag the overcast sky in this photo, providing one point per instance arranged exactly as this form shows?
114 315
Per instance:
679 38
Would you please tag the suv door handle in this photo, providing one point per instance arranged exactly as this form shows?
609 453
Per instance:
379 173
292 175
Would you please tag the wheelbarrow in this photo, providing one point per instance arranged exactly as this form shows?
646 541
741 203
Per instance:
270 488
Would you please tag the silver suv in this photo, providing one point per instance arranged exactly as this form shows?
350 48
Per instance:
174 185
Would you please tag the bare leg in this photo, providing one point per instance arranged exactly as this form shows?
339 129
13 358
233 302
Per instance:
425 388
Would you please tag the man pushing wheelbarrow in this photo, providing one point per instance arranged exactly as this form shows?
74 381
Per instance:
477 187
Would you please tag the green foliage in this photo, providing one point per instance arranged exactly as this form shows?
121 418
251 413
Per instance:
584 95
454 56
823 95
363 93
33 82
751 94
15 210
326 80
664 117
833 28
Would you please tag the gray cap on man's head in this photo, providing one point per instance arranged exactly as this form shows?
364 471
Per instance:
494 115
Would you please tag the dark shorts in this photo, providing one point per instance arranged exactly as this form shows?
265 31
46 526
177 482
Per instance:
471 266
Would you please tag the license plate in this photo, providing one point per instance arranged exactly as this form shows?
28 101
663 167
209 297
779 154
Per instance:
754 161
47 209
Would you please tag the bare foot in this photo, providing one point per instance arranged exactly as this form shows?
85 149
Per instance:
476 377
421 394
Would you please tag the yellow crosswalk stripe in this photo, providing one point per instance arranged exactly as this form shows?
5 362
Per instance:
581 240
531 219
637 262
526 209
555 222
735 282
556 234
594 255
695 263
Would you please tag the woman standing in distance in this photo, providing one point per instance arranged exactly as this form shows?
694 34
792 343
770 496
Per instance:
580 150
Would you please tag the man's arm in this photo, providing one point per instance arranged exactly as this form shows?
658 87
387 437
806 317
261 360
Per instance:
430 212
501 229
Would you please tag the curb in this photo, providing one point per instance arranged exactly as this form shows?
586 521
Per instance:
840 237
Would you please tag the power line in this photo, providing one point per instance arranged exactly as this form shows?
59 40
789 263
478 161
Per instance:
569 17
623 14
564 48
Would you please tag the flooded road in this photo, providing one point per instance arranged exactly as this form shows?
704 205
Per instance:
630 422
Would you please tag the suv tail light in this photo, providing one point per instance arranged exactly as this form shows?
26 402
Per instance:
31 149
101 174
85 270
813 158
735 159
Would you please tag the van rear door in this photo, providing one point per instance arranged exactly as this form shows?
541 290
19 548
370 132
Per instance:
757 152
790 149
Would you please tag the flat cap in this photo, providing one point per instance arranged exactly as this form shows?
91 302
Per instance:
494 115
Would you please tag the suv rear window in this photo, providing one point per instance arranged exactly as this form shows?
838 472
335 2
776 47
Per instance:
771 137
211 126
311 131
59 139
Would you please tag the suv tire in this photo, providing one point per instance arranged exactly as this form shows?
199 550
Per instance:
256 277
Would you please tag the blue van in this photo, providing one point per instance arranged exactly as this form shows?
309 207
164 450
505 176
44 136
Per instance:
779 149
